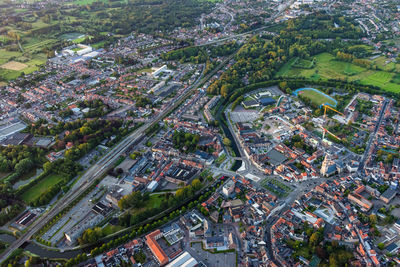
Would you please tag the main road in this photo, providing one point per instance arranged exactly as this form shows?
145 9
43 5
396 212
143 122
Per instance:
372 137
100 168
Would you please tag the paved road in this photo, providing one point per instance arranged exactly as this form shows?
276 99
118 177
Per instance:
98 169
372 136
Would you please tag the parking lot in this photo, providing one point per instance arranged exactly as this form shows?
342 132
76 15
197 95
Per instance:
73 217
242 115
92 156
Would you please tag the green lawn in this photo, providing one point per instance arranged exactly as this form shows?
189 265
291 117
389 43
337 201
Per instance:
153 202
381 79
385 64
35 191
327 67
5 55
34 45
317 98
98 45
81 39
396 78
110 229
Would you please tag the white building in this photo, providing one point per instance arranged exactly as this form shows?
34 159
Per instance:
159 70
228 188
184 260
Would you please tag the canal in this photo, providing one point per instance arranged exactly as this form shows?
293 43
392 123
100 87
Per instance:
40 251
221 118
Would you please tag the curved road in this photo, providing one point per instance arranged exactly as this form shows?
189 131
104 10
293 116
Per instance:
98 169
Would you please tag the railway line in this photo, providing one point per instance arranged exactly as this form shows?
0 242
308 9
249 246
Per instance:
101 166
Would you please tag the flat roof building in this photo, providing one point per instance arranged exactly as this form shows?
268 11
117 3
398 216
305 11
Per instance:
388 195
185 259
266 101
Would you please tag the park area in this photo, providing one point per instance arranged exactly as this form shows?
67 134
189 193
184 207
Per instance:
41 187
326 66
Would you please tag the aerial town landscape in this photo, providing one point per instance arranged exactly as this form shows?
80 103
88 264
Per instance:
199 133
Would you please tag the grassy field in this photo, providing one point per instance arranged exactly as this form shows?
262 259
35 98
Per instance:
34 192
98 45
317 98
110 229
327 67
155 201
387 65
31 54
33 63
396 79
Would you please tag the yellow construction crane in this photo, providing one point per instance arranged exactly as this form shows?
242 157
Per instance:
331 108
326 131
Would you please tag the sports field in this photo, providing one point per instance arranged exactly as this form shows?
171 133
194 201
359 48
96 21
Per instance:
316 96
38 189
327 67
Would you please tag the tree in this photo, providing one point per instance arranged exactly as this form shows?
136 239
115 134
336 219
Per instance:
196 184
373 219
227 141
381 246
314 239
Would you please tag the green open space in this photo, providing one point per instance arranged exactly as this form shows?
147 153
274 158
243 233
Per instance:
98 45
110 229
386 64
41 187
303 63
396 78
33 60
328 67
81 39
154 201
316 97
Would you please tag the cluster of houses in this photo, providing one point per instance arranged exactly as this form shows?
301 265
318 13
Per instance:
327 205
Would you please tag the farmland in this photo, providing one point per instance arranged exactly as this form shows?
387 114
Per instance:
30 65
34 38
328 67
13 65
